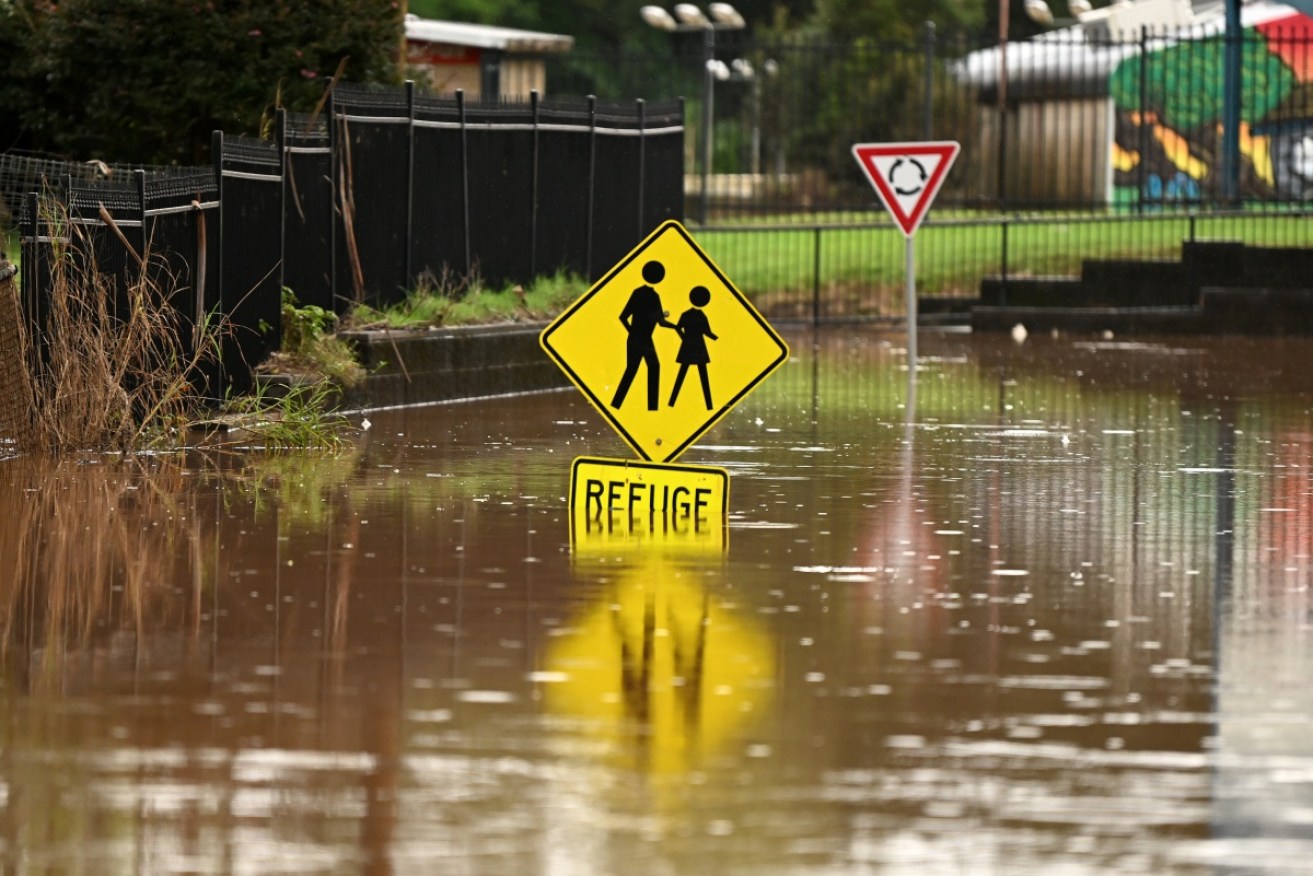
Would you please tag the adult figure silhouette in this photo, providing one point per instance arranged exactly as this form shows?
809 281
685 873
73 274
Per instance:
693 330
641 316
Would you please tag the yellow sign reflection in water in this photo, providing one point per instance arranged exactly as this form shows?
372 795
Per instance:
625 504
662 671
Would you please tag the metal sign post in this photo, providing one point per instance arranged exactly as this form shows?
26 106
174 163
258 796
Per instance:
909 283
907 176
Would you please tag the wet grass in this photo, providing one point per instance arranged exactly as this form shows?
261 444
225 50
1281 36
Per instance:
951 259
445 302
302 417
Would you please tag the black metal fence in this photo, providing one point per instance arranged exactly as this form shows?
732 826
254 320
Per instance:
1080 119
499 191
1086 142
153 221
360 203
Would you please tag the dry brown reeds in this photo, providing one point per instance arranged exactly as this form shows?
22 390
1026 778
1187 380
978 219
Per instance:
95 548
116 365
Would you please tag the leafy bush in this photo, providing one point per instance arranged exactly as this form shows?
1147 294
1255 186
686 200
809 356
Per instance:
309 345
147 81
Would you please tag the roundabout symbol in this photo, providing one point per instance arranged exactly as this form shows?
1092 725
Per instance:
913 176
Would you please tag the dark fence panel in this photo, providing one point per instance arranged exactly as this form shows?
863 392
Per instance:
500 141
181 221
440 242
388 187
618 189
35 237
180 216
140 225
250 179
95 245
566 154
372 144
662 146
308 210
620 209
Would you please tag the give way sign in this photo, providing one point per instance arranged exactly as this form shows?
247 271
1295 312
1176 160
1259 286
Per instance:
907 176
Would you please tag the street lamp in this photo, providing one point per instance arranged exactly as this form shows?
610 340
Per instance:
741 70
689 17
1039 12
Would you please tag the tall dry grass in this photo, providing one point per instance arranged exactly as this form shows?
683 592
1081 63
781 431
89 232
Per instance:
116 365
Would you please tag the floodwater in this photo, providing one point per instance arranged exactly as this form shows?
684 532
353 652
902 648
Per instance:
1057 621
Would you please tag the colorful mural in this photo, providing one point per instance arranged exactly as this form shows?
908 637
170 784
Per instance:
1169 117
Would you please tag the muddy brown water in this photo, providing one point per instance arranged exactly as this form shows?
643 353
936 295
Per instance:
1058 620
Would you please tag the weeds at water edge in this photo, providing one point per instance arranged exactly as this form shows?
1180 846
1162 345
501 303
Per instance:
117 366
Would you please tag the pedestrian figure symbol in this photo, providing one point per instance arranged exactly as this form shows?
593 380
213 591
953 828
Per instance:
694 329
641 316
619 334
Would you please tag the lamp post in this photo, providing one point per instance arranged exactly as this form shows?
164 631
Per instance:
688 17
1039 12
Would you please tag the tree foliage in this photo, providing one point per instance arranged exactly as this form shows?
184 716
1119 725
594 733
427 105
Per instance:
892 20
149 80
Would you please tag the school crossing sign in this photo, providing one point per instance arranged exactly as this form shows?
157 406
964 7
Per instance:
664 345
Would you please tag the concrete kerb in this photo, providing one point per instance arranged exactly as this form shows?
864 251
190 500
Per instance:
428 366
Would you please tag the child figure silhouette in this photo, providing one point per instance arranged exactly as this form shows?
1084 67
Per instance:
694 329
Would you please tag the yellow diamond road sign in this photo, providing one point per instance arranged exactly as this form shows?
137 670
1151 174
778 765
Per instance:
664 345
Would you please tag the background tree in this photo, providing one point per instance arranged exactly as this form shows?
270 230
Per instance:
894 20
148 81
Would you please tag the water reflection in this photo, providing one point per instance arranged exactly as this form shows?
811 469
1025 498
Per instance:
660 669
1051 615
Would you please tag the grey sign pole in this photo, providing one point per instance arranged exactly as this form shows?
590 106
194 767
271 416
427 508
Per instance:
909 278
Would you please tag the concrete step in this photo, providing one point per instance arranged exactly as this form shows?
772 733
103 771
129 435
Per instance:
1028 291
1271 267
1258 310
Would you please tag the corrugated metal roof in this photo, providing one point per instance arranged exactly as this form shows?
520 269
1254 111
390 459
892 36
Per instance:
484 36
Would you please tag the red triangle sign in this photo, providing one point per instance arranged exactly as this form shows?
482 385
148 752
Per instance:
906 176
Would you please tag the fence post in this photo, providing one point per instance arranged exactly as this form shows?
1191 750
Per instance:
1142 131
1003 266
1002 154
816 276
216 156
928 81
410 182
331 123
140 176
592 175
280 139
1231 85
464 181
32 297
642 162
535 109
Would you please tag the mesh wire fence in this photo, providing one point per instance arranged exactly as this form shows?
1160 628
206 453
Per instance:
1076 120
1080 144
